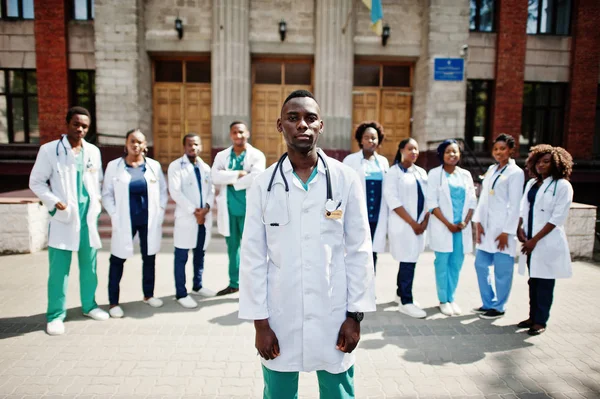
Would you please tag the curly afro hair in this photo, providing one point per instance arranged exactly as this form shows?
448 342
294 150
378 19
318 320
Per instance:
360 130
562 161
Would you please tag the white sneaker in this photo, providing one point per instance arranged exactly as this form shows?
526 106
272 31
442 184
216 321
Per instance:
97 314
412 310
188 302
154 302
455 309
55 327
399 302
204 292
446 309
116 312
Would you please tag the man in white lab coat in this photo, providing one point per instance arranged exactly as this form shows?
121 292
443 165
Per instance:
234 170
66 176
306 272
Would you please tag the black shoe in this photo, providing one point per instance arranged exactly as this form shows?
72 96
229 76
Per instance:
525 324
227 291
492 314
481 310
536 329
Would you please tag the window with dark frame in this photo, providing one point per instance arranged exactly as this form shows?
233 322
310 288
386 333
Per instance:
477 123
83 94
543 114
16 9
483 16
18 106
83 10
549 17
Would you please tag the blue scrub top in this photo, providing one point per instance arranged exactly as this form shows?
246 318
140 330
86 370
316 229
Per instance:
457 194
374 187
138 195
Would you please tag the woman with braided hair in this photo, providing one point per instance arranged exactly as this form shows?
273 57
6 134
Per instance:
544 210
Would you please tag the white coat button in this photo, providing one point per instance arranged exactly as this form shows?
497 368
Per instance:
307 237
306 210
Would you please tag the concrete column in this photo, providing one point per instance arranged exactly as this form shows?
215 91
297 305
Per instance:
230 67
511 48
123 73
334 66
439 107
52 67
585 61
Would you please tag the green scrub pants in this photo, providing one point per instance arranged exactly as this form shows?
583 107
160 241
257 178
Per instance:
60 263
284 385
236 228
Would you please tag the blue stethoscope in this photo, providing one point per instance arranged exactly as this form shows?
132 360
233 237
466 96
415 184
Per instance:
330 204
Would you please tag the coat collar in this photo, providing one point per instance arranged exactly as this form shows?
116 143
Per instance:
287 165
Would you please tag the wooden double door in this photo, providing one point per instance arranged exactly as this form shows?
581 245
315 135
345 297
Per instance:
181 108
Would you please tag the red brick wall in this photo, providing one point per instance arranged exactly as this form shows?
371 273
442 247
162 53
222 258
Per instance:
510 67
585 61
52 66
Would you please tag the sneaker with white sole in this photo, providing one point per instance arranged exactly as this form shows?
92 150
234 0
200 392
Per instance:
446 309
97 314
154 302
55 327
188 302
455 309
412 310
492 314
399 302
204 292
116 312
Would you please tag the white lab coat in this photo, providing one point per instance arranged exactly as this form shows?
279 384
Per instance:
183 187
357 162
551 257
303 276
54 179
254 164
115 198
499 213
400 189
438 196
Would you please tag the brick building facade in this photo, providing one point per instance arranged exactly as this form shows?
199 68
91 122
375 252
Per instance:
530 71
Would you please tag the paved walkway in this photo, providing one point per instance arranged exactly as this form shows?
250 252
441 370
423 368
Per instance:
209 353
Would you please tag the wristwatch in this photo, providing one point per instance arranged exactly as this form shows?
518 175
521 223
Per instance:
357 316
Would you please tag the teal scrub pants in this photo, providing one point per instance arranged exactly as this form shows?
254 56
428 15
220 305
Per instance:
60 263
447 269
236 228
284 385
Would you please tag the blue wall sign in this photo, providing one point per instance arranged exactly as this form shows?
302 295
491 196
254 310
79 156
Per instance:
449 69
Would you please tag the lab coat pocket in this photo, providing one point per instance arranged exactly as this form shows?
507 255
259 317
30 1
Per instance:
63 216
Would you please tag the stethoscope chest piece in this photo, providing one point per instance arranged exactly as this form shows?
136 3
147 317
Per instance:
330 205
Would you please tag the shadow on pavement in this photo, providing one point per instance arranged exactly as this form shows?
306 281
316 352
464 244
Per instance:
439 339
16 326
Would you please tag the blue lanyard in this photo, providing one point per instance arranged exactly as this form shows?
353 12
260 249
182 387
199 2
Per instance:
496 179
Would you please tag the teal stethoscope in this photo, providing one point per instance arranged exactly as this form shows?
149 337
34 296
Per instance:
330 204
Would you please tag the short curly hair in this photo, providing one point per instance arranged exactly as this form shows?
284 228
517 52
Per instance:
562 161
360 130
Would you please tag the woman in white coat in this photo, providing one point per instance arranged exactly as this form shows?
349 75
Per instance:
371 168
544 210
451 200
404 193
135 196
496 220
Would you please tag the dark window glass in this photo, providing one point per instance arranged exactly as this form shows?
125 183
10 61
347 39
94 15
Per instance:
366 75
483 15
17 9
267 73
477 124
83 94
83 9
197 72
551 17
3 119
169 71
297 74
18 118
543 114
396 76
18 106
597 135
34 128
16 81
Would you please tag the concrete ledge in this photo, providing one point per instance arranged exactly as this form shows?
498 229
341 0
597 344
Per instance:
23 225
580 229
